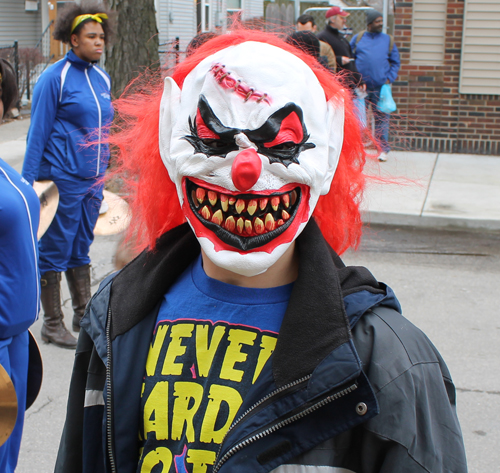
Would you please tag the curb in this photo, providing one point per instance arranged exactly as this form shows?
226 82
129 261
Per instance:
450 223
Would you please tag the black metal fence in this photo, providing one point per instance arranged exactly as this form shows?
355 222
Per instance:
171 54
28 63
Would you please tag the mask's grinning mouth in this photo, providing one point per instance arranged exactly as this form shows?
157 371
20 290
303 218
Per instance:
245 221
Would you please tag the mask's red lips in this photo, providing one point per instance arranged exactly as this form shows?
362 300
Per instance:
244 221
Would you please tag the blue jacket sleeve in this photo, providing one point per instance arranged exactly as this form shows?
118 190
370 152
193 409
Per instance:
353 45
43 114
395 63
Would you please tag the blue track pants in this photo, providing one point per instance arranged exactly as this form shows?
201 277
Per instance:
14 357
66 243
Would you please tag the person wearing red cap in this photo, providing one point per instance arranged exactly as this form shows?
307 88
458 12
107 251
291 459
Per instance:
335 21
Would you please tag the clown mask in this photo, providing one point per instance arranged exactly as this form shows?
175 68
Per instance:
251 144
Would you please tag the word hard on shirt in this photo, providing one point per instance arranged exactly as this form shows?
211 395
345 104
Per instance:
210 344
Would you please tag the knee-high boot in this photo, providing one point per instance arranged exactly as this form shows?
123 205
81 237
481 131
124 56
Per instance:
79 288
53 329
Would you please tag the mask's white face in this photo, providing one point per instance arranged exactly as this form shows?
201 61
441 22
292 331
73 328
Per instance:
251 144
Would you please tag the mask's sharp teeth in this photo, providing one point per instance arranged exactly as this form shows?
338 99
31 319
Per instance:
285 215
240 224
294 197
224 202
200 194
240 205
258 224
206 213
285 198
217 217
270 223
212 197
248 227
280 222
252 206
194 199
230 224
275 202
232 200
263 203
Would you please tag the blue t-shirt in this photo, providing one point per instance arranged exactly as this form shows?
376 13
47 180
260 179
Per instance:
19 276
210 344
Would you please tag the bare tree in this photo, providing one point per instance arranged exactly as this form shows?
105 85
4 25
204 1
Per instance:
135 44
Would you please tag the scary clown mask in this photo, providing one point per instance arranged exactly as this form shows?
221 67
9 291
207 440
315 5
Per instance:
251 144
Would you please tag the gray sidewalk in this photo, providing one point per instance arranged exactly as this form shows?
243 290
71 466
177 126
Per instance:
421 189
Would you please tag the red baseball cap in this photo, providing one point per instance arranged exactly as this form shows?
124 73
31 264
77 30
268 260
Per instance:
336 11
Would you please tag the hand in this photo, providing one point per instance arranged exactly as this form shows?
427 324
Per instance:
346 60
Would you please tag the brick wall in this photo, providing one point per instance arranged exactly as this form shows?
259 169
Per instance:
432 115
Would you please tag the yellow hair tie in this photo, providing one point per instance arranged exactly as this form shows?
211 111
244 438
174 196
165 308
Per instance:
97 17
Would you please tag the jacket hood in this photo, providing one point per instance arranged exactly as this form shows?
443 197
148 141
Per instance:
324 286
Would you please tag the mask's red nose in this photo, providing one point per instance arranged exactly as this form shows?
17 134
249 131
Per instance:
246 169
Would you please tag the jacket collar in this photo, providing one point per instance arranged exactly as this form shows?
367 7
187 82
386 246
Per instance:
315 322
332 30
76 61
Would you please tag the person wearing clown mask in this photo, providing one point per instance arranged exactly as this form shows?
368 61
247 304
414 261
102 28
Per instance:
238 341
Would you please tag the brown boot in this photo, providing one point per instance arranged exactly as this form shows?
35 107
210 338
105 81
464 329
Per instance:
79 287
53 329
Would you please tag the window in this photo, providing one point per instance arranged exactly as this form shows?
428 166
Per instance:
428 32
206 16
480 60
234 10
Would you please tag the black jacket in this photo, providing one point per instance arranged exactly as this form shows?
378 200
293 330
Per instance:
379 399
341 47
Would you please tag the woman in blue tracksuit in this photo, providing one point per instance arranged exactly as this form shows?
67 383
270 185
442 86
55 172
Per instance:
70 114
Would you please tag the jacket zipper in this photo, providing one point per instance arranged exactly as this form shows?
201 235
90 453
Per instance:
280 424
109 436
100 119
258 404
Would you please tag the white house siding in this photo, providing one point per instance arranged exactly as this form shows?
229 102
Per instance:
18 24
480 61
176 18
253 9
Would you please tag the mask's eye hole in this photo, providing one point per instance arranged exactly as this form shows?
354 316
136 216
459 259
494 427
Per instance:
216 144
284 146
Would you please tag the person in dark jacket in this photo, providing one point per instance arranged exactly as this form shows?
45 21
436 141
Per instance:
238 341
70 113
307 23
307 42
332 35
377 59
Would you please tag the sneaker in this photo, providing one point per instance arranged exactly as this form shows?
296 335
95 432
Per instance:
382 157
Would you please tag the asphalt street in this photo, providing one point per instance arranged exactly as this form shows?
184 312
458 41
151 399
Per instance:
447 284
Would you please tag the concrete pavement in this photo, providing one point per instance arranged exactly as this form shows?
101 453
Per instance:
411 188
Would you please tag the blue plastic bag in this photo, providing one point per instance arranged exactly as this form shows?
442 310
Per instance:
359 104
386 103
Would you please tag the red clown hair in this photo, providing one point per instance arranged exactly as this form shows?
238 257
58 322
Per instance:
152 194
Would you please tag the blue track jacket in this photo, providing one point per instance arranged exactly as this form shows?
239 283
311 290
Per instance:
19 276
373 60
71 106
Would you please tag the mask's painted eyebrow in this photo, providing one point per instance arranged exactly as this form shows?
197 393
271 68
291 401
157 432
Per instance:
264 134
213 123
271 128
